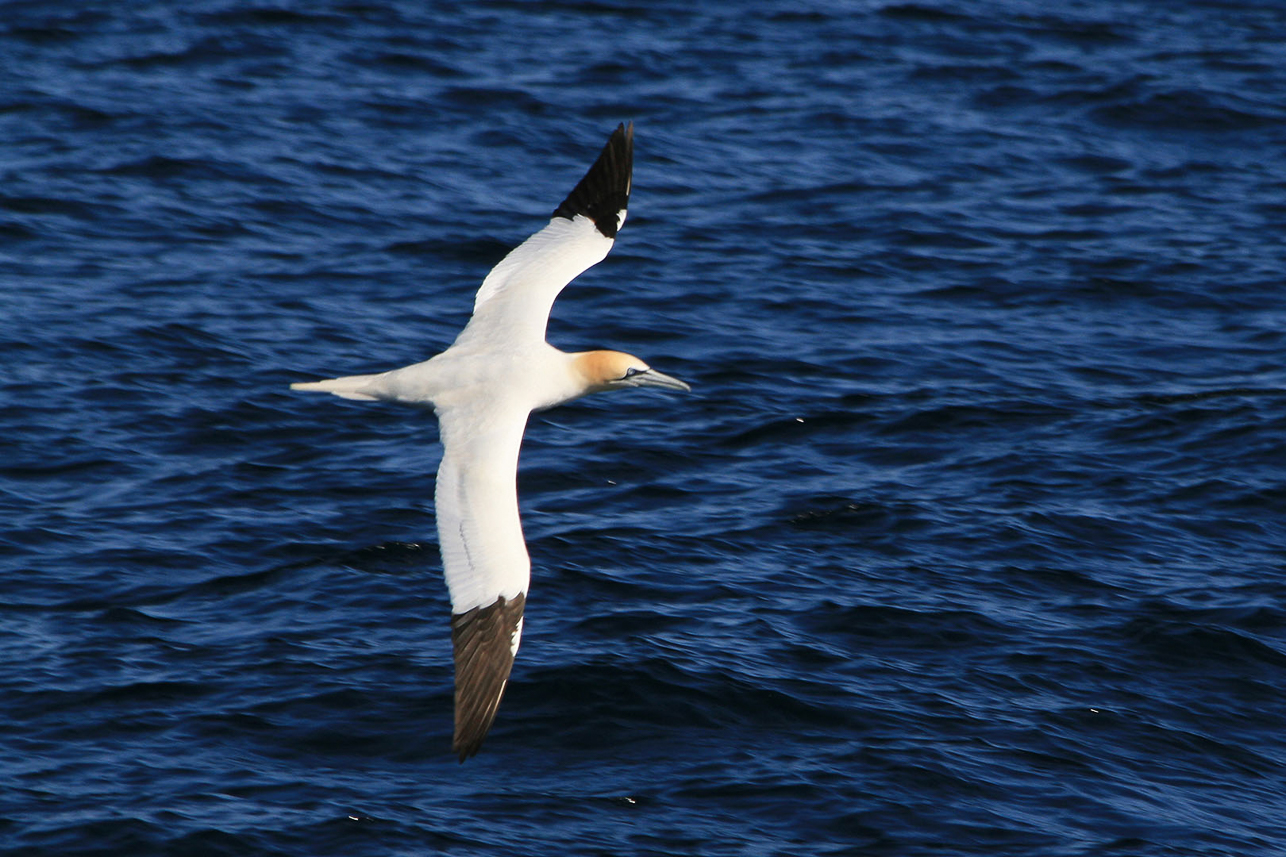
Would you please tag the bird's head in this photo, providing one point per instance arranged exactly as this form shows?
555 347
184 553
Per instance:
613 370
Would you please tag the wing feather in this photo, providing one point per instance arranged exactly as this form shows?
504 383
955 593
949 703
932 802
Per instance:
485 641
483 552
514 300
484 558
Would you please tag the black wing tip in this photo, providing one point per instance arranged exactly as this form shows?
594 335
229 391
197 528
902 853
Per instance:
466 750
604 192
482 639
469 737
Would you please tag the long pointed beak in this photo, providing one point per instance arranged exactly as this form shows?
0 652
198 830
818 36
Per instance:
653 378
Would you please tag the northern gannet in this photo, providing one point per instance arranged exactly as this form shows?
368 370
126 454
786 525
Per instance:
483 388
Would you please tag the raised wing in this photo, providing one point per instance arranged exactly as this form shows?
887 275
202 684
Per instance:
484 558
514 301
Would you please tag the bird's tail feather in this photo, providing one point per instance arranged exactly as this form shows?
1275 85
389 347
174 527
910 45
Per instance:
356 387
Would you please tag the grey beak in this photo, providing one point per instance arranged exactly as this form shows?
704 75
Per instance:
653 378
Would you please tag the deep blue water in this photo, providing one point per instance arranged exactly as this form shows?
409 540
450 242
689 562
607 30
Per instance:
970 540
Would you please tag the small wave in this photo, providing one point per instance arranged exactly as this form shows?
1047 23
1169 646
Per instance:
1189 110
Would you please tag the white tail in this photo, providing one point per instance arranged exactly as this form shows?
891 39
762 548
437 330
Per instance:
356 387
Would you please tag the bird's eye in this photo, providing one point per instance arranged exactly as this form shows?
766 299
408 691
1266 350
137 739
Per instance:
632 371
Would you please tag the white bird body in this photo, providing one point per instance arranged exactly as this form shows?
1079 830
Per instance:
483 388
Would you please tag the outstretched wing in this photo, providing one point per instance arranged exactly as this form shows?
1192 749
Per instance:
514 301
484 557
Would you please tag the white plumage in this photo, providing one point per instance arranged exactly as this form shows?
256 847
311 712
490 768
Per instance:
483 388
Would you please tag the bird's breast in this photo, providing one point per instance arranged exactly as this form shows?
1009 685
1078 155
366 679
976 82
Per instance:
531 379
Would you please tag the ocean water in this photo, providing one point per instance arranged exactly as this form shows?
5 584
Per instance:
970 539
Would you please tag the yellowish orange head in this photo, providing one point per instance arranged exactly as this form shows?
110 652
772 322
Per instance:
608 370
600 369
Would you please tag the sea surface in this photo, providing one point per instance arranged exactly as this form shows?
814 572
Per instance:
970 540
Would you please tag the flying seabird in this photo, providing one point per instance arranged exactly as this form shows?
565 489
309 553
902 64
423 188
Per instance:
483 388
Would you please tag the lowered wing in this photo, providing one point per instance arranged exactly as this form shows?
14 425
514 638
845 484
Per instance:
484 558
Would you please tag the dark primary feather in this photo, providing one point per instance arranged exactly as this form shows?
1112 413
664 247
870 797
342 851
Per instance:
483 641
605 190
